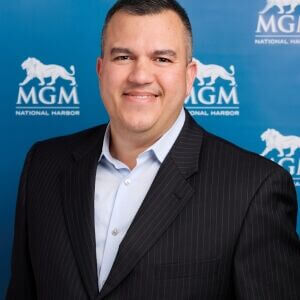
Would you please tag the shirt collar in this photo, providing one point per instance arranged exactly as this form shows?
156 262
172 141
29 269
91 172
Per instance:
160 148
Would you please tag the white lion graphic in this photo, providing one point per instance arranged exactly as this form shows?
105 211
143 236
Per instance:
214 72
36 69
275 140
281 4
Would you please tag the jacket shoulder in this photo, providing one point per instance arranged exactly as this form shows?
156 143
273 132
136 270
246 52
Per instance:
60 149
245 160
68 142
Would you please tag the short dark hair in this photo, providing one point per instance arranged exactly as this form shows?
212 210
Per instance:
150 7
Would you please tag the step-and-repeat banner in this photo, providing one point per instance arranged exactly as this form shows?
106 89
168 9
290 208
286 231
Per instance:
246 90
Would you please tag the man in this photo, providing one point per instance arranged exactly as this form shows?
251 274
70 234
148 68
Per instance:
152 206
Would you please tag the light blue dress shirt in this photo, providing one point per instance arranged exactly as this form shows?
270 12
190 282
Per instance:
119 192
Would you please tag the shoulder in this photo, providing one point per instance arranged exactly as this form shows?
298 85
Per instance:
220 157
71 142
241 173
60 149
236 159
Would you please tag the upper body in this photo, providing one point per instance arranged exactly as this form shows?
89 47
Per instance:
216 222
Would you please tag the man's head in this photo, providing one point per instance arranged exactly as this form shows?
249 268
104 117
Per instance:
144 73
150 7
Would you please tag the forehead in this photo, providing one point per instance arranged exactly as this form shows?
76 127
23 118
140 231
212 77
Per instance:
160 30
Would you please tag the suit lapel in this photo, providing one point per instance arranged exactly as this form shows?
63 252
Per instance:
78 204
167 196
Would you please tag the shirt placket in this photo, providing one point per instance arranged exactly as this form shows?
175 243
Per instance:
117 226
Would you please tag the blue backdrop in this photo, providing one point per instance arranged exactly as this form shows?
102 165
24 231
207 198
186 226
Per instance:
249 96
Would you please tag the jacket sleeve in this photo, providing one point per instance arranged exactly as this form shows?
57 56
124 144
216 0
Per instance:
267 255
22 285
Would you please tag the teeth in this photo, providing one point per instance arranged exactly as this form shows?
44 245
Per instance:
142 96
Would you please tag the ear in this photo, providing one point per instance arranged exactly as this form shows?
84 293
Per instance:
191 72
99 66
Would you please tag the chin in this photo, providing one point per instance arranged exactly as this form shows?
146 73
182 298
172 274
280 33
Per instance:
138 128
139 125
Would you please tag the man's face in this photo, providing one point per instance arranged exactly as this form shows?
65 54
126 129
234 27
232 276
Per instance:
144 76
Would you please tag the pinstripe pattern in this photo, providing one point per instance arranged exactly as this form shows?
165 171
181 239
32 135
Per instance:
217 223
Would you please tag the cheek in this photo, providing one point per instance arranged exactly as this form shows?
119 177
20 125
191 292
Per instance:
112 79
173 82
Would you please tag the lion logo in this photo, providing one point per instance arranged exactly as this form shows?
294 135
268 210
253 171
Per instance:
36 69
213 72
281 4
275 140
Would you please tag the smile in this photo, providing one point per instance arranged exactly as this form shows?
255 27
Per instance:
140 96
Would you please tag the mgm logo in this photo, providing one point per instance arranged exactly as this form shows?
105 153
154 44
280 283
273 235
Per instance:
214 92
283 150
47 99
278 23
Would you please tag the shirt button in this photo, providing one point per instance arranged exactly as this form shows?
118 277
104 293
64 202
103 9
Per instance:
127 181
115 232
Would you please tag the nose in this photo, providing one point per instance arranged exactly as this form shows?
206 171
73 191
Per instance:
141 72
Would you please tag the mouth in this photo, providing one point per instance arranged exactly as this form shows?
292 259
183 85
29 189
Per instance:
140 96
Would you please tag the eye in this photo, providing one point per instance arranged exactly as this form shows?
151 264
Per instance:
122 58
162 60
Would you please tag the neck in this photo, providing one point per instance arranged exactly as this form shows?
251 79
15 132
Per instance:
126 147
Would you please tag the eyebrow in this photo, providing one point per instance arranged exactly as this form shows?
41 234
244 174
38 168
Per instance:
120 50
164 52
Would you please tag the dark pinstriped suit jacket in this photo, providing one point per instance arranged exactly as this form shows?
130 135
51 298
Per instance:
217 223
